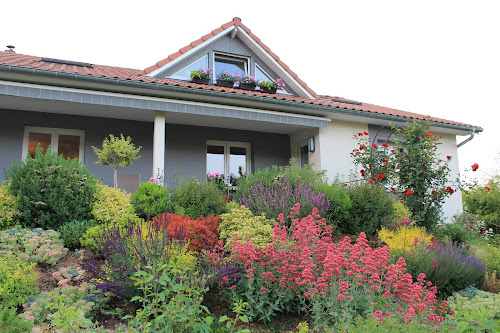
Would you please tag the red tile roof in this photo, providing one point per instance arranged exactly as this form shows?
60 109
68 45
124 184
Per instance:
15 59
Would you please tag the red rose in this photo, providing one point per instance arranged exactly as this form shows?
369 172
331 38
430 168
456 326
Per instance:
362 147
362 172
428 134
360 134
366 133
375 145
385 145
487 188
371 181
449 190
409 192
386 160
448 157
392 150
379 176
475 166
345 184
420 137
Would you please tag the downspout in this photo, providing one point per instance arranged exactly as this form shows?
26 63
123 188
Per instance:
468 139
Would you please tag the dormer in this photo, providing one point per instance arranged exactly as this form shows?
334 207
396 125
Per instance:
232 48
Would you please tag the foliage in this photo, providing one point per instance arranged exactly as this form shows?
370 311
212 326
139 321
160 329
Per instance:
388 325
405 237
218 180
117 152
280 197
17 281
171 300
464 229
10 322
110 204
401 216
9 214
449 266
484 201
123 247
65 303
40 246
412 170
65 276
201 73
151 199
309 271
250 80
272 84
489 254
51 189
199 234
473 321
197 198
241 222
471 298
340 204
227 77
491 282
239 310
71 232
370 205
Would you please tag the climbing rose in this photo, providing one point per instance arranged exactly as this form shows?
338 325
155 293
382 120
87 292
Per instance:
375 145
360 134
428 134
362 172
487 188
409 192
379 176
386 160
474 166
385 145
448 157
371 181
366 133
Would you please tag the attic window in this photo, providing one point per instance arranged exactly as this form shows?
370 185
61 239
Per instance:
262 75
67 62
231 64
183 74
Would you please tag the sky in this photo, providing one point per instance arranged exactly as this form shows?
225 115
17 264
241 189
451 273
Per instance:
439 58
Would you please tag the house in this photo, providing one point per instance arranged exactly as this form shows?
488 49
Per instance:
190 127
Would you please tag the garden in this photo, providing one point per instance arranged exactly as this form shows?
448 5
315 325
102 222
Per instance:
289 251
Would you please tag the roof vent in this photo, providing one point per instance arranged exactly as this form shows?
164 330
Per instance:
67 62
10 48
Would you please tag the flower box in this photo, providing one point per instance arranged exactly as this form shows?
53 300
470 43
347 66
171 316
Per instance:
247 86
201 81
268 91
225 83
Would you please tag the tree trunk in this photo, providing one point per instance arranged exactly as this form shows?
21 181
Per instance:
115 178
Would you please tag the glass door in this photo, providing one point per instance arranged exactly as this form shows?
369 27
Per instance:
230 160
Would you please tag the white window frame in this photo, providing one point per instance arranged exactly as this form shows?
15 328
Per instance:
179 77
245 60
227 145
54 139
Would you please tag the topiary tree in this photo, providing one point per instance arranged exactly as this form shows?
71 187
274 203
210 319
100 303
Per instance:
51 189
117 152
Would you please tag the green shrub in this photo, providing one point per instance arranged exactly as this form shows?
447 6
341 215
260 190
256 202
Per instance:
10 322
38 245
110 204
483 203
388 325
151 199
471 298
72 232
370 204
9 214
490 254
197 198
241 221
17 281
340 204
51 189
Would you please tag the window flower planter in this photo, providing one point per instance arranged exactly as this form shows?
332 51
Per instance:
268 91
201 81
225 83
247 86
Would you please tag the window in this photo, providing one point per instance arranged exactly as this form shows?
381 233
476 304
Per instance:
230 159
62 141
183 74
261 74
231 64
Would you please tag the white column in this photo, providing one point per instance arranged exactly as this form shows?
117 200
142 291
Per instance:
159 147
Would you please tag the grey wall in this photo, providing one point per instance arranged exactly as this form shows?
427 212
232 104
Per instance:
185 145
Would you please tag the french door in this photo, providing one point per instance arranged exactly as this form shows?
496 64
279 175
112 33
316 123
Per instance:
229 159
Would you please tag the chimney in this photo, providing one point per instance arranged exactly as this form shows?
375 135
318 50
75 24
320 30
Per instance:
10 48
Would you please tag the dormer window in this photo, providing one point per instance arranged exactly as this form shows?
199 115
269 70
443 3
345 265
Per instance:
231 64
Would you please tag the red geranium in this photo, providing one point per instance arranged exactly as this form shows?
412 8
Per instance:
409 192
474 166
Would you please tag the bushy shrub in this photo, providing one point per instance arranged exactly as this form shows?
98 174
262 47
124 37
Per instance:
40 246
49 305
281 196
309 272
484 201
124 247
405 237
199 234
9 214
450 267
471 298
370 204
17 281
401 216
489 254
340 204
197 198
151 199
51 189
71 232
245 225
10 322
111 204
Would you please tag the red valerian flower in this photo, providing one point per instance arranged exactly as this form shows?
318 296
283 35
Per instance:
375 145
371 181
428 134
386 160
362 172
385 145
487 188
448 157
475 166
366 133
409 192
379 176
